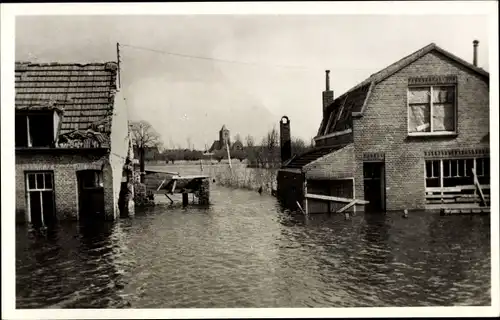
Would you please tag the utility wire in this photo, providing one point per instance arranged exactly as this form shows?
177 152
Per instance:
214 59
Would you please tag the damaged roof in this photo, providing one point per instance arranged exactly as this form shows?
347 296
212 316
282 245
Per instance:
84 93
299 161
352 103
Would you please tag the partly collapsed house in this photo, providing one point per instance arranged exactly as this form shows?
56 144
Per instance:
71 141
409 137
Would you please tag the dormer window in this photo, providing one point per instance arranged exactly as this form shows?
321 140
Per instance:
35 128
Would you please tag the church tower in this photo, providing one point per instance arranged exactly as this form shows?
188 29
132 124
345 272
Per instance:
224 137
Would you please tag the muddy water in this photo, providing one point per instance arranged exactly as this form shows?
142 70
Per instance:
243 251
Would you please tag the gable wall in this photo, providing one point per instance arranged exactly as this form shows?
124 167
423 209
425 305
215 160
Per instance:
383 128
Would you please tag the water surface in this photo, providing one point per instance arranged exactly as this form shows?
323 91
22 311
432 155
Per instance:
243 251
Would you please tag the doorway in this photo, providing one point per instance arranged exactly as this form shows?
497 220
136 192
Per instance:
374 186
40 198
90 194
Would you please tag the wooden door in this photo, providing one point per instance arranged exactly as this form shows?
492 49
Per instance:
374 186
90 194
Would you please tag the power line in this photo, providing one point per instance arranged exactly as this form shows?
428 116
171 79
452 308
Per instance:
214 59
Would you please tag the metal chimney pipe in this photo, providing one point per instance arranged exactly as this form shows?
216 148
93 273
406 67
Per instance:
327 80
474 61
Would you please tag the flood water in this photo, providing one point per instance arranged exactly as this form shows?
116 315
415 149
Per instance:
243 251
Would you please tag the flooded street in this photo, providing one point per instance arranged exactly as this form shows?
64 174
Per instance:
243 251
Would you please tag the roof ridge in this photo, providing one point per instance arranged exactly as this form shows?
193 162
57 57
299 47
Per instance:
414 55
462 61
370 79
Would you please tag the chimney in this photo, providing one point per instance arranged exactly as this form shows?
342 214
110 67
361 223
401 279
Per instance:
285 139
474 61
327 94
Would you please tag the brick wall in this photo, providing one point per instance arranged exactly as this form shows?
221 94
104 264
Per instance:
383 128
64 167
335 165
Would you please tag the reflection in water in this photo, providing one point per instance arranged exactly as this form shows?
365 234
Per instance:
244 251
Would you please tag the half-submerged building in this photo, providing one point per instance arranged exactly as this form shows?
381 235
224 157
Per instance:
71 141
409 137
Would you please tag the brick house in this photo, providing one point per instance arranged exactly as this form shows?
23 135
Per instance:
407 137
71 141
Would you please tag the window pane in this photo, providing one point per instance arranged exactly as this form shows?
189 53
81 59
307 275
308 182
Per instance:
48 207
479 166
31 181
443 117
428 169
454 169
418 95
487 167
444 95
41 130
432 183
436 170
21 131
48 181
469 163
419 118
39 181
461 168
446 168
35 207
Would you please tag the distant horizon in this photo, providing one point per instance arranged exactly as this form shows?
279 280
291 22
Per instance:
244 72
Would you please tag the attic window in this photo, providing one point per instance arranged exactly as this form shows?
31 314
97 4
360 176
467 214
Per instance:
431 110
34 129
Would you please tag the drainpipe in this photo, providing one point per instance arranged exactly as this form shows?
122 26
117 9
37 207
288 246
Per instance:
475 43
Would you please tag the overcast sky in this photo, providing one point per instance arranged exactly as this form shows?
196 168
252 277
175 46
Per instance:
284 58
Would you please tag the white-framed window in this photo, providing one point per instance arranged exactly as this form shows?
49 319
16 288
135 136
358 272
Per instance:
443 173
432 110
40 197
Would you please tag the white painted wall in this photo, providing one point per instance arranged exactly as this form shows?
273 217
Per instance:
119 145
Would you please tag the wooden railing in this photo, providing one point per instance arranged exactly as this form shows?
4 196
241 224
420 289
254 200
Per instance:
457 194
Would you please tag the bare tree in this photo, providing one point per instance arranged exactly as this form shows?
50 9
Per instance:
298 146
270 146
144 135
237 138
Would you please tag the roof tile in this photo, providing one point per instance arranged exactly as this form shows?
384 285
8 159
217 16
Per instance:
84 90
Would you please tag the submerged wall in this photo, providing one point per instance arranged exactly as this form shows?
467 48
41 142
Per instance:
64 168
290 188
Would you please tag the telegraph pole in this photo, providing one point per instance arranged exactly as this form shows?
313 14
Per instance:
118 58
